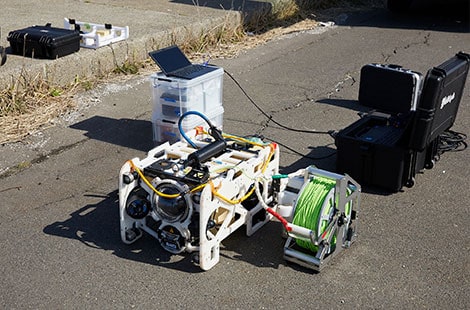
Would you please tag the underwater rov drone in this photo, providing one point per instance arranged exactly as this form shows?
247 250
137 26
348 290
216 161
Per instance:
192 195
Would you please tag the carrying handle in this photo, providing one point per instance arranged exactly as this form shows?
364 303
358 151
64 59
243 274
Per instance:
463 55
394 66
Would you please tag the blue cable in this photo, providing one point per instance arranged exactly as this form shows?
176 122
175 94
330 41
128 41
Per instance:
183 134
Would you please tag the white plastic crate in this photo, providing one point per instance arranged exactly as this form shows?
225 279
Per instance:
174 96
97 35
167 130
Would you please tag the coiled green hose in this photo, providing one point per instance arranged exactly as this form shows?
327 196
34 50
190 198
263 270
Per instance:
313 209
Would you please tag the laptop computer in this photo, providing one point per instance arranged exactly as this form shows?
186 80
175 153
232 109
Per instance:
173 62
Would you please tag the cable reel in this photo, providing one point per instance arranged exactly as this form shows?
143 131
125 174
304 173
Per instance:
322 218
315 209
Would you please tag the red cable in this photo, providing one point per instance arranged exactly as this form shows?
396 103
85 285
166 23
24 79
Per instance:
280 218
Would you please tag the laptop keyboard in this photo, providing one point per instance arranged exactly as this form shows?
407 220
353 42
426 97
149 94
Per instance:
189 70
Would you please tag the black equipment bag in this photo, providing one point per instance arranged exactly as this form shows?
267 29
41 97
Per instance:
373 150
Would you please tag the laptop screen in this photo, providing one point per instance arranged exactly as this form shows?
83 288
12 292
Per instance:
170 59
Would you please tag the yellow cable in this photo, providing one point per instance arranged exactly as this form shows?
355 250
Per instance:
198 187
134 167
242 140
228 200
250 192
271 153
214 192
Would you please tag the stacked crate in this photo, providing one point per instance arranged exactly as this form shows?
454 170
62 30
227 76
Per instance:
173 96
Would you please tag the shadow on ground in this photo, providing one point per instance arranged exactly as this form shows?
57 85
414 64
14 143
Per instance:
437 15
97 226
129 133
440 15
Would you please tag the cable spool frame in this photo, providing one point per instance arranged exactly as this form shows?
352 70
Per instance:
345 232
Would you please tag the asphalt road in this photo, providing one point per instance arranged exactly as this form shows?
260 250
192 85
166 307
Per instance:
59 225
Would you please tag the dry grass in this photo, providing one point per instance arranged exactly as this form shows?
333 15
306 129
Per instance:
30 104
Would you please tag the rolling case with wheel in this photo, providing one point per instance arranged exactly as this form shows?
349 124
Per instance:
387 149
373 150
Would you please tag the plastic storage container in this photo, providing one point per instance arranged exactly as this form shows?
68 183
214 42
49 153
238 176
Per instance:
97 35
167 130
174 96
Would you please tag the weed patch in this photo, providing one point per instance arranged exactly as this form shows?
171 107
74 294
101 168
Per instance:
31 103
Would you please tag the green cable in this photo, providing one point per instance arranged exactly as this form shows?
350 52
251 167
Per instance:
309 209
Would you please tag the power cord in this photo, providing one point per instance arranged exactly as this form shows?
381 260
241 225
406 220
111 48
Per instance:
270 117
3 52
300 154
451 141
3 55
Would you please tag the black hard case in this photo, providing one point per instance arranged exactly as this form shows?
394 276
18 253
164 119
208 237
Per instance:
440 99
394 164
44 42
389 88
388 164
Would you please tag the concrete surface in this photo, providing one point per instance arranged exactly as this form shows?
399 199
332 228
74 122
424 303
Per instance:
59 226
152 24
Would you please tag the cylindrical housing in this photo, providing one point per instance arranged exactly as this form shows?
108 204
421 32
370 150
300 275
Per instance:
208 151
